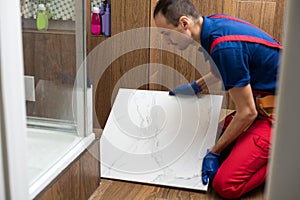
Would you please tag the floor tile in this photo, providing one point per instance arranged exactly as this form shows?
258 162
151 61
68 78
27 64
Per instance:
152 137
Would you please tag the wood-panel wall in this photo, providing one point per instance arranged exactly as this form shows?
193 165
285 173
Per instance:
266 14
126 15
58 48
50 57
48 54
130 14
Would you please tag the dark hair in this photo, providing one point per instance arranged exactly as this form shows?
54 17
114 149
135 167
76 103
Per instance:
172 10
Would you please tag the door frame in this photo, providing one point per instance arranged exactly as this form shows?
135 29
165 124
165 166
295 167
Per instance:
13 175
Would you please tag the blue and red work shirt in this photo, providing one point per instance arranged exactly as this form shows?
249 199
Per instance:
242 52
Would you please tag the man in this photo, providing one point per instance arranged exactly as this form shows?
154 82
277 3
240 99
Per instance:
248 60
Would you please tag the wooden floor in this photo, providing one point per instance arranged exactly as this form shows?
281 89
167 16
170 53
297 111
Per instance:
121 190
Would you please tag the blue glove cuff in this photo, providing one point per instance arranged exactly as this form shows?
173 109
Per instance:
187 89
212 153
171 93
196 87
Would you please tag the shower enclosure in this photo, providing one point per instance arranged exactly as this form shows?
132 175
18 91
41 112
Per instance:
58 93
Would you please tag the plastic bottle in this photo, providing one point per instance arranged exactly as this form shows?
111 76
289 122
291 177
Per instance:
96 21
42 18
102 12
107 21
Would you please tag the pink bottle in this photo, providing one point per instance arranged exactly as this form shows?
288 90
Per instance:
96 21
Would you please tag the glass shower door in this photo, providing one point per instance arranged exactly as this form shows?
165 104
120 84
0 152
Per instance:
53 59
55 81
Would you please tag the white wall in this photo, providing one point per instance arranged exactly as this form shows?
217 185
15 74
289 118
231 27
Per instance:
284 176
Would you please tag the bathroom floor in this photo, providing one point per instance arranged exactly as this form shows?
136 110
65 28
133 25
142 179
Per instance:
122 190
110 189
115 188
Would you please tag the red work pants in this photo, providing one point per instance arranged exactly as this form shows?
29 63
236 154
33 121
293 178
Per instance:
245 168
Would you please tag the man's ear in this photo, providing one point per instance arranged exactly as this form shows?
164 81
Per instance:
184 22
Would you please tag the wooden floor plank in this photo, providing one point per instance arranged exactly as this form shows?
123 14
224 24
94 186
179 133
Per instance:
122 190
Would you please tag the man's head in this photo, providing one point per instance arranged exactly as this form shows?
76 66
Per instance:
172 10
181 18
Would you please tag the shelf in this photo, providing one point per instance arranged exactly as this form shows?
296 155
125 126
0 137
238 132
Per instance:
50 31
55 26
102 36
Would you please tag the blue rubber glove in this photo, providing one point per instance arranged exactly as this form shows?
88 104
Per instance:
187 89
210 166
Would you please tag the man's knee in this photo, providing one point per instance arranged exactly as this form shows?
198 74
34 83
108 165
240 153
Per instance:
226 188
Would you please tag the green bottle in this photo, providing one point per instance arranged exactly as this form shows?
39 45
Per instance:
42 18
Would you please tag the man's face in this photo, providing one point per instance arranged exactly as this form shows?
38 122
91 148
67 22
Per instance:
177 36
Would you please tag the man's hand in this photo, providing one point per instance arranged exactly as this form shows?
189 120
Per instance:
210 166
187 89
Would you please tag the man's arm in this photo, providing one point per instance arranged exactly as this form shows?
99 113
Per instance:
207 79
195 86
245 115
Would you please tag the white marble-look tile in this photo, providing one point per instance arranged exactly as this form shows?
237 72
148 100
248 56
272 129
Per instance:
155 138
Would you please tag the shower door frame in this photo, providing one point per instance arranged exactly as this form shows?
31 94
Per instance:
14 181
